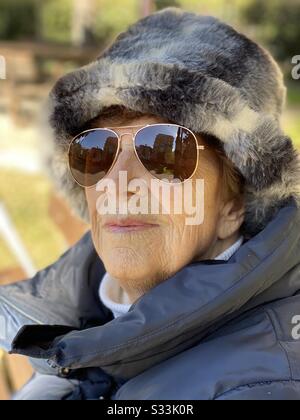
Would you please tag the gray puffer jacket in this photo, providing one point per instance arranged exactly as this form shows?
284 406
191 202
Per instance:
215 331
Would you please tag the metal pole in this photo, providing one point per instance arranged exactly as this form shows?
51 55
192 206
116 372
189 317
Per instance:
8 231
83 17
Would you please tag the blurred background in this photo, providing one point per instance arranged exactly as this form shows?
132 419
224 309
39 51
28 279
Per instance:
40 40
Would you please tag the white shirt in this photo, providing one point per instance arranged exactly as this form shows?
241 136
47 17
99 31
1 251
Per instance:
115 298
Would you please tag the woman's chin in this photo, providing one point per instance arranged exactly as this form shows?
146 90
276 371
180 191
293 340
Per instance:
127 265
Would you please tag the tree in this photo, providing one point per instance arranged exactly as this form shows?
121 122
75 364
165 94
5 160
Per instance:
277 24
161 4
82 22
18 20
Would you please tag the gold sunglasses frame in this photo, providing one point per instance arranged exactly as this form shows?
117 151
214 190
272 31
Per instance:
199 147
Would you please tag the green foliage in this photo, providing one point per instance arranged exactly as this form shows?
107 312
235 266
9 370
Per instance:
18 19
56 18
161 4
113 17
294 94
31 19
291 117
278 24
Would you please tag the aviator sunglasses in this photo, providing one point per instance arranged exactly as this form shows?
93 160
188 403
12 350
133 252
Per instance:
169 152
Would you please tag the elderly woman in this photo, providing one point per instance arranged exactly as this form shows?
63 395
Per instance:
157 305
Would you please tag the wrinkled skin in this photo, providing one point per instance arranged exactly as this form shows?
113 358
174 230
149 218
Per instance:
141 259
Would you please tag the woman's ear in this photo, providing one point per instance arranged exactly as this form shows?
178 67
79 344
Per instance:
231 217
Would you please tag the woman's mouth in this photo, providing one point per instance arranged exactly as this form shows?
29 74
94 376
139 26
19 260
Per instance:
128 226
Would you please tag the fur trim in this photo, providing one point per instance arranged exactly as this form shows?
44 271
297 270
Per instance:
200 73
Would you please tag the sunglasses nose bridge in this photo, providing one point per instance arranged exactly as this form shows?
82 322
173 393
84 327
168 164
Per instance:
127 142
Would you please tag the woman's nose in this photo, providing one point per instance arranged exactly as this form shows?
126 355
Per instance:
127 141
127 160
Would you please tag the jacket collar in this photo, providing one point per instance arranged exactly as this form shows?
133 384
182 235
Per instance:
181 311
114 298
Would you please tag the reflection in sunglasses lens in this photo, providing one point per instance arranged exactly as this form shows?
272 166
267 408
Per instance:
168 152
91 156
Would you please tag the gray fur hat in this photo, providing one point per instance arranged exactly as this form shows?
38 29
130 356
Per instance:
200 73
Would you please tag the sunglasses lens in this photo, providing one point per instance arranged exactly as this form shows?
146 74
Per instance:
167 151
91 156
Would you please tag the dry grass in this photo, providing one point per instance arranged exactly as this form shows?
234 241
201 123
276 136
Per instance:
26 198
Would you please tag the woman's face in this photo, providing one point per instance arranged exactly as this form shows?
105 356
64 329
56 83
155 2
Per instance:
141 251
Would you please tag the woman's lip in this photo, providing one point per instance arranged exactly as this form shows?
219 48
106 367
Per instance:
128 226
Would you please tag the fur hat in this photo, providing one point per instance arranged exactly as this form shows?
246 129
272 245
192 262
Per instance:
200 73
